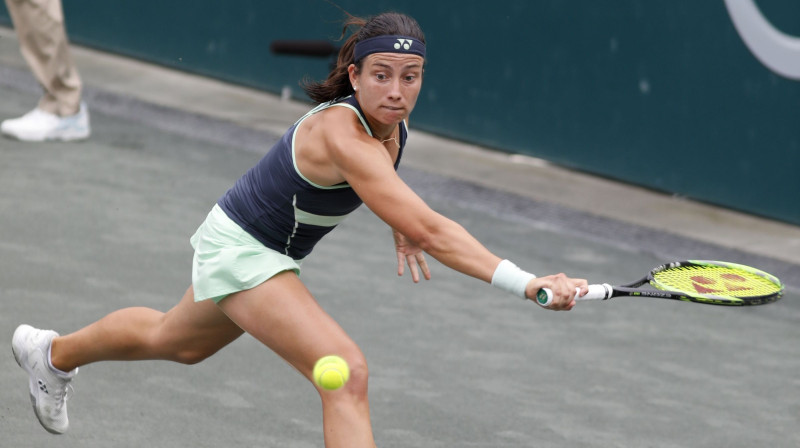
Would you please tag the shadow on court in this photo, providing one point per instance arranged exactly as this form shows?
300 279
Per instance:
88 228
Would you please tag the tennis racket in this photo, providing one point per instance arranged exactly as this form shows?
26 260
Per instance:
701 281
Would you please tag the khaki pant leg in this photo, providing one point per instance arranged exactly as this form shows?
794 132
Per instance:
42 35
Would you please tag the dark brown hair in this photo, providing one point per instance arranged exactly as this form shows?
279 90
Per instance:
337 85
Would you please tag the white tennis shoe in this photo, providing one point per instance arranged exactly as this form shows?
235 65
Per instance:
48 389
38 125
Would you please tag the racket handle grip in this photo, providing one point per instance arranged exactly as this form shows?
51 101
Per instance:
596 292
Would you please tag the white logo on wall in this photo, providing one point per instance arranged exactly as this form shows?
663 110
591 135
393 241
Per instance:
778 51
405 43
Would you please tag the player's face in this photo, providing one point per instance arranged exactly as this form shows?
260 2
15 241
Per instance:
388 85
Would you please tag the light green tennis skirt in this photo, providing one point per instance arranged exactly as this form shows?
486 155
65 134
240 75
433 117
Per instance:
227 259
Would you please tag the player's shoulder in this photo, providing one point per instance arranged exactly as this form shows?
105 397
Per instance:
341 127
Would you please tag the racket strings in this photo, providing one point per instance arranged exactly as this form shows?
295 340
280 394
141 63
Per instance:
715 280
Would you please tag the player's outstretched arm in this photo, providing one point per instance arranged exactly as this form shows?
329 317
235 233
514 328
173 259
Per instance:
371 174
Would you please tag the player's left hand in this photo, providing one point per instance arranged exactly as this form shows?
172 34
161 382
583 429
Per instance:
409 253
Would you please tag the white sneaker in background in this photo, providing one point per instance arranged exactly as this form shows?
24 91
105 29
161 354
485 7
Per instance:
48 389
38 125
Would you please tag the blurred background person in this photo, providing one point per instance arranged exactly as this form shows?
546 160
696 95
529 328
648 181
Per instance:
60 114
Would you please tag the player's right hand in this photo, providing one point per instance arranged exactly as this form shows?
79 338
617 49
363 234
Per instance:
564 290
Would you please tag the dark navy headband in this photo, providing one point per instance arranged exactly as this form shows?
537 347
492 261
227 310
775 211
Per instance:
388 44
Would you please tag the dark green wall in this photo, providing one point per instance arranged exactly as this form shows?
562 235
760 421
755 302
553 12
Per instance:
662 94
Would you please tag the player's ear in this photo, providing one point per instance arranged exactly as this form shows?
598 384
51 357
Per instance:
353 72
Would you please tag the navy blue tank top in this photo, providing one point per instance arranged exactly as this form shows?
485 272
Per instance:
282 209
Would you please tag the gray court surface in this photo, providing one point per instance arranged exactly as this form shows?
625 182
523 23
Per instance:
88 228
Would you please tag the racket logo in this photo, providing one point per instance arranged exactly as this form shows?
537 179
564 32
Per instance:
404 43
727 282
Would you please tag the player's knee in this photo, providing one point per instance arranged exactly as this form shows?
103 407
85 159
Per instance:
194 353
191 355
178 350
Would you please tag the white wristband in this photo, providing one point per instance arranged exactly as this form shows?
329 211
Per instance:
510 278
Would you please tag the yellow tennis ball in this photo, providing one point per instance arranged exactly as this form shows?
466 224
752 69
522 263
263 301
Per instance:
331 372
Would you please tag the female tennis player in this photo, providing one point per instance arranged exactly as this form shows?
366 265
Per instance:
249 250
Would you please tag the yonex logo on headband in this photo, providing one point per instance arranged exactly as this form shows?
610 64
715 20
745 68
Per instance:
405 43
388 44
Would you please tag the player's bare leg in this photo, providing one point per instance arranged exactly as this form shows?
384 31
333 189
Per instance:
188 333
283 315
